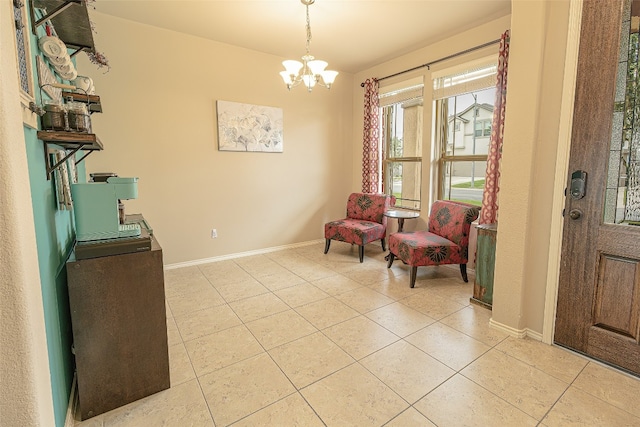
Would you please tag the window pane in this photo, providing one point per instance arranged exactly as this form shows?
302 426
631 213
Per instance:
404 182
463 181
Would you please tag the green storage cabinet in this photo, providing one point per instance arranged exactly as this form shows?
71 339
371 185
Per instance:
485 264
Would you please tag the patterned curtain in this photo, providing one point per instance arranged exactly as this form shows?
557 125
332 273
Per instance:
489 212
371 138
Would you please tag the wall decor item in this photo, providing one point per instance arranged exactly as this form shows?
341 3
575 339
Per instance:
246 127
46 79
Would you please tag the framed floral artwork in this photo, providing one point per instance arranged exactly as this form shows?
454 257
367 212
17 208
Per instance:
247 127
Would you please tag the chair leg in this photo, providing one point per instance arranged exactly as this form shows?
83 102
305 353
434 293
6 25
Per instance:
412 278
463 271
361 252
384 246
326 245
391 258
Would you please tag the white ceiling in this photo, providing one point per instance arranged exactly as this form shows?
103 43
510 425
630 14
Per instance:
352 35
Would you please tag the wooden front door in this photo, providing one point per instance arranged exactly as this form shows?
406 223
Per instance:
598 311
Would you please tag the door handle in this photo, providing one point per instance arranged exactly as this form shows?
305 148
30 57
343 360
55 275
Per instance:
575 214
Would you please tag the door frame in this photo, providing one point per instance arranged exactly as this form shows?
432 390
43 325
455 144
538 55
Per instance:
561 170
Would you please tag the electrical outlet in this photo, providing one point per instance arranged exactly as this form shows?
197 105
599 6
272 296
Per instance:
214 233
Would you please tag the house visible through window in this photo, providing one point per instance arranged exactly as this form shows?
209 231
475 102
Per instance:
401 112
464 113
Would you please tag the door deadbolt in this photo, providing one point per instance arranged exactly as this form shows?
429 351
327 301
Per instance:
575 214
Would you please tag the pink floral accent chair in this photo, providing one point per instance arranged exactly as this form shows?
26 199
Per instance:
364 223
446 242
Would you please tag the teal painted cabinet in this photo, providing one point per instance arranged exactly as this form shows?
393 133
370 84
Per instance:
485 264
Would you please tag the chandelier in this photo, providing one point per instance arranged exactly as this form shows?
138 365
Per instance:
310 71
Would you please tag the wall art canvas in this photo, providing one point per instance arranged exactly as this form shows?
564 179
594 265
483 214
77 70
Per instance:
246 127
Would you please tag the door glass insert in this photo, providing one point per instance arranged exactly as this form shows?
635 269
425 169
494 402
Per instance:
622 198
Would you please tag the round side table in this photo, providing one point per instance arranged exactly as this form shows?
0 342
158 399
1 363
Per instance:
401 215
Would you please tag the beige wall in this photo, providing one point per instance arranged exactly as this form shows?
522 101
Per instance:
25 395
159 124
538 43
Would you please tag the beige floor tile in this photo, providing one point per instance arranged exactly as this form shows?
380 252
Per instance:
553 360
314 272
336 284
449 346
97 421
410 418
292 411
241 389
327 312
360 336
406 370
432 305
231 277
173 335
525 387
280 329
614 387
194 301
180 369
180 274
281 280
454 289
396 288
175 285
220 268
461 402
167 309
400 319
302 294
182 405
474 321
353 397
309 359
372 272
258 265
364 299
577 408
204 322
221 349
240 290
257 307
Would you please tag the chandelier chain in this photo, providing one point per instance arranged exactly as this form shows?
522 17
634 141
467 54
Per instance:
308 29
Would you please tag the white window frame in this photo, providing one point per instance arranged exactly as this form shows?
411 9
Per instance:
441 158
27 98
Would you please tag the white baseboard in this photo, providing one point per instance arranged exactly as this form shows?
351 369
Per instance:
517 333
70 420
239 255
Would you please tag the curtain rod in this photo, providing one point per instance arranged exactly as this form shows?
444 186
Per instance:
429 64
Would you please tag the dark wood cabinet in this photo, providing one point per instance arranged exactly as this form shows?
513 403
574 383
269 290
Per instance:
119 327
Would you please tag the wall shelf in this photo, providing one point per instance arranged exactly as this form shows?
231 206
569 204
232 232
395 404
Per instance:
73 141
70 19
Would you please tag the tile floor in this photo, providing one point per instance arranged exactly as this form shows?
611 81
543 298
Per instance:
297 337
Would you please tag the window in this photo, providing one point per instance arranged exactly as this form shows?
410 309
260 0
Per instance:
483 128
467 96
401 112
